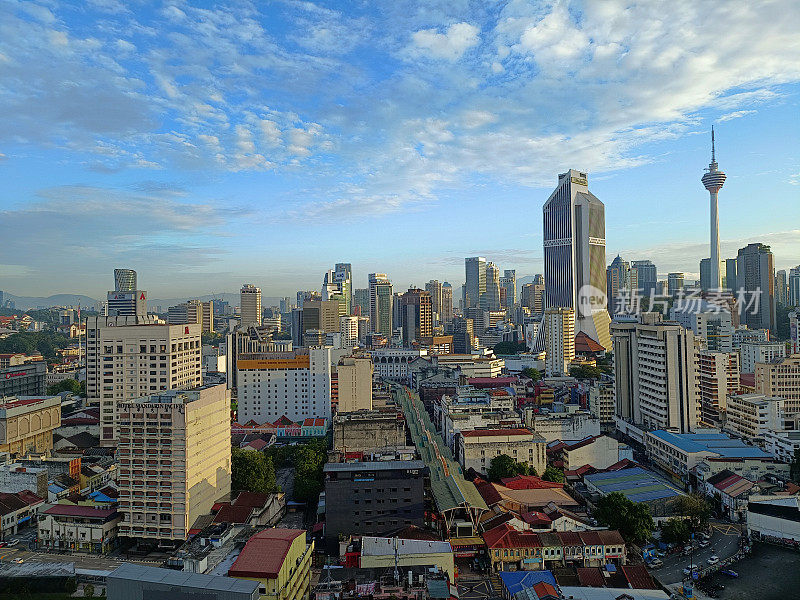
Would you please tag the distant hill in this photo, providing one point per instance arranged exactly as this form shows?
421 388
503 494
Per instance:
29 302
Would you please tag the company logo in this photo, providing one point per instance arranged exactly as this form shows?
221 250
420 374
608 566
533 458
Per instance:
578 181
142 296
591 300
186 330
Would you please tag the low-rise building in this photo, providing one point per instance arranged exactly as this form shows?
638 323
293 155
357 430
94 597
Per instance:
477 448
368 429
17 510
751 416
79 528
567 425
472 365
782 444
730 492
598 451
601 403
27 423
131 581
637 485
381 552
27 379
279 560
774 519
15 477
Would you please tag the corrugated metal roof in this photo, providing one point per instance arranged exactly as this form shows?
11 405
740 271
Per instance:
132 571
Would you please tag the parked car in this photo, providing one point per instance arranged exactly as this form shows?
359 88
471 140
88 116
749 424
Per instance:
713 559
656 563
13 542
3 544
704 544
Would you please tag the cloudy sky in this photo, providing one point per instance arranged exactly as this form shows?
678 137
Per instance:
265 141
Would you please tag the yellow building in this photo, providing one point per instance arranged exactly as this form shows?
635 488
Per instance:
27 423
382 553
174 459
355 384
780 378
280 560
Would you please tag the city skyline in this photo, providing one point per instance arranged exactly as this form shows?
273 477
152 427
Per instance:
120 170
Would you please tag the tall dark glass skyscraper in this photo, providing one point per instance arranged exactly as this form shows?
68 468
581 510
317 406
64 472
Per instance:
575 255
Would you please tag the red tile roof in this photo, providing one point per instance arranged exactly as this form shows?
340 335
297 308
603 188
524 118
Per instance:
590 577
251 499
257 444
569 538
583 343
495 432
29 497
488 492
639 578
590 538
69 510
506 536
263 555
233 514
610 537
536 518
529 482
545 590
499 381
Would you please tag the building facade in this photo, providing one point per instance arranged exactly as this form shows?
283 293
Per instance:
355 384
559 340
755 277
477 448
250 305
27 424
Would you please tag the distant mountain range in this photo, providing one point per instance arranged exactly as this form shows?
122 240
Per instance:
33 302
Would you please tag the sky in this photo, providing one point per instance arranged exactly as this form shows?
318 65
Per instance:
210 144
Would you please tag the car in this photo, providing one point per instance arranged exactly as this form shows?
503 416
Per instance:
19 561
713 559
13 542
3 544
689 569
656 563
704 544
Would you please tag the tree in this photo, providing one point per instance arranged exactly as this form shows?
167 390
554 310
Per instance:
88 591
502 466
67 385
509 348
309 460
252 472
695 507
585 372
794 467
675 531
212 338
553 474
633 520
531 373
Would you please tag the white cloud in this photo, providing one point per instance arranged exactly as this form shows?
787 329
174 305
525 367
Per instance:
735 115
451 45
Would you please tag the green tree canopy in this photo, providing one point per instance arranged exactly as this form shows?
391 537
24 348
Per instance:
675 531
553 474
44 342
695 507
531 373
509 348
632 519
67 385
309 460
252 472
586 372
503 466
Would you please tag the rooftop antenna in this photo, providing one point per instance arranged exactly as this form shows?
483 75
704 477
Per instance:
713 159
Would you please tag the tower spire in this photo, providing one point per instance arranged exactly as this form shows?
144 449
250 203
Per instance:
713 158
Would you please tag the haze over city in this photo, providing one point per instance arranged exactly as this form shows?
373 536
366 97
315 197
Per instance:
258 142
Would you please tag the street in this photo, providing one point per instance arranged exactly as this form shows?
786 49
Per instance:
479 588
724 543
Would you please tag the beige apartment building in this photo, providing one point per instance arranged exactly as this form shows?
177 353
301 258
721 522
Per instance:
781 378
752 416
355 383
559 336
131 357
27 423
174 460
193 311
717 378
477 448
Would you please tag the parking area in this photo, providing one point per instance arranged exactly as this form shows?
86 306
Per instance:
724 544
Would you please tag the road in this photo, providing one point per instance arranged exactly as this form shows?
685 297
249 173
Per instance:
724 543
479 588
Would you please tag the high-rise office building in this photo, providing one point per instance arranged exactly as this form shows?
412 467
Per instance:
559 340
655 373
646 276
337 285
756 280
415 315
447 303
184 435
708 321
193 311
491 298
675 282
575 255
250 305
713 180
707 275
354 377
730 274
621 283
793 294
717 378
380 304
475 286
508 282
348 328
533 295
131 357
361 302
463 335
323 315
296 384
434 288
126 300
781 288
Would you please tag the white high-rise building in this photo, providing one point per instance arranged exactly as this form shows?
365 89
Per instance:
655 373
575 255
760 352
559 339
708 321
717 378
125 300
348 328
250 305
131 357
294 384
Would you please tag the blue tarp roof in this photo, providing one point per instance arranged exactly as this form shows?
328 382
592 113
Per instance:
516 581
636 483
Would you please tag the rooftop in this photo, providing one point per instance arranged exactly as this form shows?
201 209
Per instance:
636 483
380 546
135 572
69 510
474 433
383 465
708 441
264 553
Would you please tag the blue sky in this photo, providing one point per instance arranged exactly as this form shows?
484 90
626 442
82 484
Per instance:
208 144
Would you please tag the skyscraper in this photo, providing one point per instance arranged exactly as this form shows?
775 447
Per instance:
491 298
250 305
755 277
415 315
344 277
447 303
575 255
361 301
434 288
781 288
646 276
126 300
730 274
794 286
621 280
675 282
559 340
509 283
380 304
475 285
713 181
